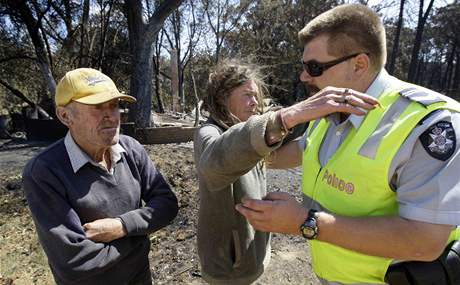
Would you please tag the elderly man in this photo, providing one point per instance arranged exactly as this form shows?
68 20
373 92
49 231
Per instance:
95 195
381 192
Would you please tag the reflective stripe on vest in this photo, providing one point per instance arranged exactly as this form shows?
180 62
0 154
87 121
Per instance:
355 183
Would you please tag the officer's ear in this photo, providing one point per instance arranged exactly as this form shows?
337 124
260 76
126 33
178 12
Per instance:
64 114
361 65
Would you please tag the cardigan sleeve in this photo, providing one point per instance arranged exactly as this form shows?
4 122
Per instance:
221 158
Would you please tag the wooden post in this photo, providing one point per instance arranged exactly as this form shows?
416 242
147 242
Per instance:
174 81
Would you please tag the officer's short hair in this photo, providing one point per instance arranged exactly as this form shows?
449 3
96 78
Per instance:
351 28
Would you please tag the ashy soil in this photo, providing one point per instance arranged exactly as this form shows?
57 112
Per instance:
173 255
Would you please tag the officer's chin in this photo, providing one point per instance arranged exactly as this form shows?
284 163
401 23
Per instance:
312 89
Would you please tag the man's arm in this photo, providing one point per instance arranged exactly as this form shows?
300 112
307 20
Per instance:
160 209
160 202
392 237
105 230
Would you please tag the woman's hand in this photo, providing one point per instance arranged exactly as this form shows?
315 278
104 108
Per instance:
327 101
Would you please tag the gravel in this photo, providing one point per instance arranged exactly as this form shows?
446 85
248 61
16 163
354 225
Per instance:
173 254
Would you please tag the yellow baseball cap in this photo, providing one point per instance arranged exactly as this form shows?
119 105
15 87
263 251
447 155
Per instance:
87 86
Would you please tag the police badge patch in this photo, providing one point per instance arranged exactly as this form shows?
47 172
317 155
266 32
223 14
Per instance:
439 140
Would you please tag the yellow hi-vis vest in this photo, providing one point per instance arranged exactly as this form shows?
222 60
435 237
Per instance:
355 183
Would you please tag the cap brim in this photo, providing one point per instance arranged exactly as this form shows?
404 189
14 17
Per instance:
100 98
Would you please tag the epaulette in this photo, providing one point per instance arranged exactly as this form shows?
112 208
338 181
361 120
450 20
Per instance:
423 96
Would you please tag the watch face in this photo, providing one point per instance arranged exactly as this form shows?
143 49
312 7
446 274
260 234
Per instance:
308 232
309 228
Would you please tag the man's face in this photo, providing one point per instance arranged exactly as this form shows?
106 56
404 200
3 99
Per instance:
338 75
95 126
242 102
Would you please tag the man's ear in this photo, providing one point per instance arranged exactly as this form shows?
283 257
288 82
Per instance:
362 64
64 115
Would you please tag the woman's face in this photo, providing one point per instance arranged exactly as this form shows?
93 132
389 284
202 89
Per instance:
242 102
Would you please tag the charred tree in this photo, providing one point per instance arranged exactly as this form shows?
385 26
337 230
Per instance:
141 36
422 18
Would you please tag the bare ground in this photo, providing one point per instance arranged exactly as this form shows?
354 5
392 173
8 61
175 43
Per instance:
173 254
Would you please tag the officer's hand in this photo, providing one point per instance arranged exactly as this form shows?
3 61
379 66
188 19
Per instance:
277 212
104 230
327 101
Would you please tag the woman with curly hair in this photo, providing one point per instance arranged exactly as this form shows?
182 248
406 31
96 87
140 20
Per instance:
229 168
229 154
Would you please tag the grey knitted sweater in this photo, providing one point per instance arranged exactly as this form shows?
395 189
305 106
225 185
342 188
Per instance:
61 201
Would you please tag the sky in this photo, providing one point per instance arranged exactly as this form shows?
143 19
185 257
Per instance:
412 4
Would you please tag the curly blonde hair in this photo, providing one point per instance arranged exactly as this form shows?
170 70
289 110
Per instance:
228 75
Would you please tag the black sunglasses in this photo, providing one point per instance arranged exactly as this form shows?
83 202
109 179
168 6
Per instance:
315 68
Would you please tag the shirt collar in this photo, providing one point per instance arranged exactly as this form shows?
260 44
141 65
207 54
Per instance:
382 82
78 157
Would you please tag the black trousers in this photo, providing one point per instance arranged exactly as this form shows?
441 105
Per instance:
445 270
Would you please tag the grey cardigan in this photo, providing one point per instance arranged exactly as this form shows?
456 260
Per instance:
229 168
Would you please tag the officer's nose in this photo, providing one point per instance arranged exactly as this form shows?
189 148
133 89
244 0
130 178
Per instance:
305 77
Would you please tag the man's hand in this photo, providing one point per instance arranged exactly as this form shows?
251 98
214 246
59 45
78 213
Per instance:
277 212
327 101
104 230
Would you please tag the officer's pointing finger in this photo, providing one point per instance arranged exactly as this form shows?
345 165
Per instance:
277 196
366 98
348 108
257 205
358 102
248 213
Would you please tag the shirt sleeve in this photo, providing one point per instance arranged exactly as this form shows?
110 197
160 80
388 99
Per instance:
428 188
222 158
303 141
59 229
160 202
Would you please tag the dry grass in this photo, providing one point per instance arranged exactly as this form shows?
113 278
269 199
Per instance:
22 260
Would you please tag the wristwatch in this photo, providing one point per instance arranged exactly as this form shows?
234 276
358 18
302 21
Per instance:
309 228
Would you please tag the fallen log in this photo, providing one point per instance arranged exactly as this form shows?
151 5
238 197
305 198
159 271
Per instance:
164 135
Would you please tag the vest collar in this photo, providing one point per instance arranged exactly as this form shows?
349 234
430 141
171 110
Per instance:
382 81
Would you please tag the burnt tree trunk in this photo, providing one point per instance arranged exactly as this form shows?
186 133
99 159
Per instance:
83 59
105 18
456 82
445 84
141 37
160 108
422 17
197 100
157 72
394 52
25 15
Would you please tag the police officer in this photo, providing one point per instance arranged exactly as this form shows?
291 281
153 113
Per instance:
381 192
